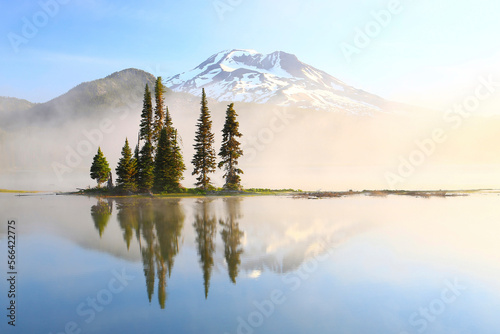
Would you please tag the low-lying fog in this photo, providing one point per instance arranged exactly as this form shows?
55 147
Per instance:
284 148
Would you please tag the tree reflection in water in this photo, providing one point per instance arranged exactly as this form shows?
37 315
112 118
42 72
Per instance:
231 236
157 225
206 229
101 213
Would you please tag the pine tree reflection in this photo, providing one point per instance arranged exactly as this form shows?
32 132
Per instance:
158 225
128 218
231 236
169 221
206 229
101 212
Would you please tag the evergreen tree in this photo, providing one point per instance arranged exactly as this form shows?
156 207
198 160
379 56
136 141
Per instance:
146 167
99 170
136 159
126 170
230 150
159 112
168 122
146 132
162 162
169 165
176 160
145 161
204 157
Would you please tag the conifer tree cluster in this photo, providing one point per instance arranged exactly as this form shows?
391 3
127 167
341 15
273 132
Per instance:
230 151
157 163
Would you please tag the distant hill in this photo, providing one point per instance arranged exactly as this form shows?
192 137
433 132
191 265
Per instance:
114 91
14 105
119 90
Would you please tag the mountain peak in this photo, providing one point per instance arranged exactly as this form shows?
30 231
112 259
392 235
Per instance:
278 78
129 72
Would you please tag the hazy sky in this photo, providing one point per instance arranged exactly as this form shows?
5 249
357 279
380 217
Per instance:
426 52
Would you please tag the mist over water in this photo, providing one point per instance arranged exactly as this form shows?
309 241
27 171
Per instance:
283 147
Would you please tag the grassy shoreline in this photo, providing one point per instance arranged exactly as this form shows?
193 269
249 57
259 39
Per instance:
196 193
287 192
189 192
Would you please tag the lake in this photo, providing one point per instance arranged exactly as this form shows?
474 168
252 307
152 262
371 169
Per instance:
265 264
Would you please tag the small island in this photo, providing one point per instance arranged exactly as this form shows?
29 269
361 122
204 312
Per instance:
157 164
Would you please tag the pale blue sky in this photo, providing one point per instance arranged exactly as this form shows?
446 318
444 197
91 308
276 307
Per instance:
428 53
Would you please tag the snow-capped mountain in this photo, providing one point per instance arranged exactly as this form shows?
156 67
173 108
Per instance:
277 78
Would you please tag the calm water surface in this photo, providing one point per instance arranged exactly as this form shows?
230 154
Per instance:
254 265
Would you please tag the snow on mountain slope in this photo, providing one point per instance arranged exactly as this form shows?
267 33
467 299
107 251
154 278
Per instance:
277 78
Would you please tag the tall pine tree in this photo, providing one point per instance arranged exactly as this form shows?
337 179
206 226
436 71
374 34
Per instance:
204 157
126 170
169 164
145 163
177 160
159 112
136 159
230 150
162 164
168 122
99 170
146 167
146 125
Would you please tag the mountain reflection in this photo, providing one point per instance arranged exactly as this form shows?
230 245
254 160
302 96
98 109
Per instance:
157 226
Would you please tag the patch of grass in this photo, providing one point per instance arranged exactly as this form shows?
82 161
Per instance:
195 192
185 192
